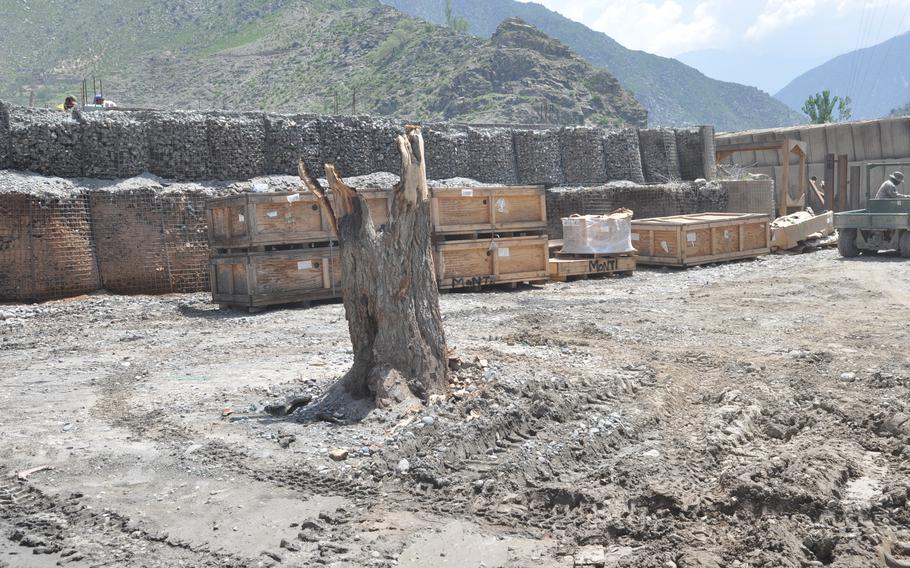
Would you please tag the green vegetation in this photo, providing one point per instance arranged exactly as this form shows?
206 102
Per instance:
456 23
296 56
820 108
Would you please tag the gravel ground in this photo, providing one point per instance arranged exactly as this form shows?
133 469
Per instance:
749 414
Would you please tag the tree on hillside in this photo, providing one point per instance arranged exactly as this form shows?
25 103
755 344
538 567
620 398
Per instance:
457 23
820 108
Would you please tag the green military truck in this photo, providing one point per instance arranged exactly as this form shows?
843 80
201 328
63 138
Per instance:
883 225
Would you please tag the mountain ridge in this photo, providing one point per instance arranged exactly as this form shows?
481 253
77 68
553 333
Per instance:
876 78
341 56
674 93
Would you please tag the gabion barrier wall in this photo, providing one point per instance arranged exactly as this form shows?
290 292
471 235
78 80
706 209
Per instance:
151 243
659 158
189 146
46 247
645 201
538 157
289 138
583 158
622 150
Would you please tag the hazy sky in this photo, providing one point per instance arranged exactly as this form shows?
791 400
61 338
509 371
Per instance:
672 27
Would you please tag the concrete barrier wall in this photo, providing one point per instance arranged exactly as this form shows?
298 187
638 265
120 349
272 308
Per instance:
863 142
185 146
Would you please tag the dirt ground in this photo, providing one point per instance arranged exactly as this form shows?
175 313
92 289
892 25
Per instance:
749 414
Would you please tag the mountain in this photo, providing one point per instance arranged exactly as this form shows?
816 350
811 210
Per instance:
342 56
674 94
766 70
876 78
902 111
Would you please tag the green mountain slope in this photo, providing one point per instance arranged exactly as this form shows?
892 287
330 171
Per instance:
300 55
674 94
876 78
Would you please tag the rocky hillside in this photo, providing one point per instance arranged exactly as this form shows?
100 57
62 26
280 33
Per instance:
673 93
876 78
341 56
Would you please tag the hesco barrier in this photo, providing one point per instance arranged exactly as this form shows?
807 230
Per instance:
46 247
149 242
192 146
645 201
138 236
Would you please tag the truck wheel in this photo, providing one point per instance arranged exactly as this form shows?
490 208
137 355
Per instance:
905 244
846 243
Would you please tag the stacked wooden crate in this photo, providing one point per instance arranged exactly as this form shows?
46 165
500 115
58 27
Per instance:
489 235
703 238
269 248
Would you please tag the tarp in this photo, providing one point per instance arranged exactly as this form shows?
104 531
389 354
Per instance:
598 234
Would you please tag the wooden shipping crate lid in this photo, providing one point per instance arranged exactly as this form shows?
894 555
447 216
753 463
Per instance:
486 190
701 219
268 197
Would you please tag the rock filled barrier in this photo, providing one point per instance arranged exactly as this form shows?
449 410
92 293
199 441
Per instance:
60 238
191 146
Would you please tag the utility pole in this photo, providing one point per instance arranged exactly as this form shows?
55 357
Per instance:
354 102
336 100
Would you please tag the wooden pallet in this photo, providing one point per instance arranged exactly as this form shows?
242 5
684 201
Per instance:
254 280
488 209
565 267
260 219
703 238
478 263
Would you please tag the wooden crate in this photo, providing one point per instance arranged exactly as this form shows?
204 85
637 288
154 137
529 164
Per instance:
261 219
473 263
257 279
689 240
486 209
571 267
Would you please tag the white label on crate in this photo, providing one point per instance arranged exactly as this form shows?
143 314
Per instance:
304 265
501 205
272 214
504 251
241 218
691 237
467 193
663 245
727 235
636 237
293 197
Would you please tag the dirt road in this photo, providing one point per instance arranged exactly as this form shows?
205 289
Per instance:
751 414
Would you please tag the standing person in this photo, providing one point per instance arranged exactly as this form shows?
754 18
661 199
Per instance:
888 190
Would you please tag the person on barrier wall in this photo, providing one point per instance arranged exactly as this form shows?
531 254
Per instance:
888 190
68 105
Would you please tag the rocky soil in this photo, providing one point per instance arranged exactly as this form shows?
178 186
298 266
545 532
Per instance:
751 414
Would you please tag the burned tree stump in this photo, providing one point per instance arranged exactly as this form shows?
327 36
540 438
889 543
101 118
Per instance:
391 300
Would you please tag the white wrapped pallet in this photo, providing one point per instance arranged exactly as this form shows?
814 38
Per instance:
598 234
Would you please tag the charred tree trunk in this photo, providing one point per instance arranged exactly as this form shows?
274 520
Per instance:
391 300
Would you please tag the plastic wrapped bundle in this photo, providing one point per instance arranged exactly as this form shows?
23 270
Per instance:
598 234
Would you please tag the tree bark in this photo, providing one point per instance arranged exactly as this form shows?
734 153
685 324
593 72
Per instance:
391 299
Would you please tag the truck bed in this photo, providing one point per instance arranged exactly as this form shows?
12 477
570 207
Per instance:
862 219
